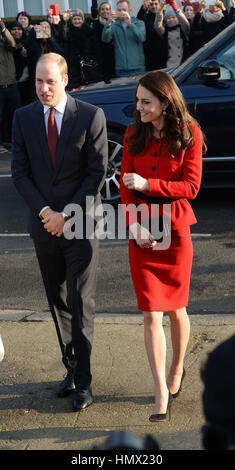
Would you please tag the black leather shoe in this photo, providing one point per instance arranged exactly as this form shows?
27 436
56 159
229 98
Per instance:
67 386
162 416
82 399
175 395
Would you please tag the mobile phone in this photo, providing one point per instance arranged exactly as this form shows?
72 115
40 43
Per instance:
119 14
40 32
55 9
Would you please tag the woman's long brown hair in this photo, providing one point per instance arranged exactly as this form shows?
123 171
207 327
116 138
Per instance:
177 132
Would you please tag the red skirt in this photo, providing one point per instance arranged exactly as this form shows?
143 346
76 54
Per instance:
161 278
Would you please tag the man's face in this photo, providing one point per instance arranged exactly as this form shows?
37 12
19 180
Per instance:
154 6
50 84
123 6
16 32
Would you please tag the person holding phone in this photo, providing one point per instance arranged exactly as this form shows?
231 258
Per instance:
100 16
21 62
9 93
153 46
211 20
128 35
41 40
161 165
175 31
82 47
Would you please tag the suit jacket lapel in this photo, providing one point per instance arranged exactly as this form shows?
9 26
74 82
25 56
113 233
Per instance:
63 141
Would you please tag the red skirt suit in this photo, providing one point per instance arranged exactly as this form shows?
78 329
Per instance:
161 278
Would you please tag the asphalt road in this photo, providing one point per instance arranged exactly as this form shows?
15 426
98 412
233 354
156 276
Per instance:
213 274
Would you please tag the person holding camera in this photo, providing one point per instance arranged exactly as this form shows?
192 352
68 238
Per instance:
210 21
175 33
21 62
41 40
100 16
9 94
83 52
128 34
153 46
231 15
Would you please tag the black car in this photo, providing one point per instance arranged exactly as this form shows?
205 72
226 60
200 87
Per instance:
207 81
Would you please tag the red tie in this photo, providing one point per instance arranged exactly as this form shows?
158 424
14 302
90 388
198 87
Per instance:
52 135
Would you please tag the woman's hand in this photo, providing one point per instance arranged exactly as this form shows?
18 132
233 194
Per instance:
142 236
134 181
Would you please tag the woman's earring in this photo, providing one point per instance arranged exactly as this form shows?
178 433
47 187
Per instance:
164 112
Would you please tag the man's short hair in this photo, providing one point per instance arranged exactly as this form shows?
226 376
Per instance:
58 59
124 1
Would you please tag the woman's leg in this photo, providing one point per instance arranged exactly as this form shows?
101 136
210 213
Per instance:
180 330
155 343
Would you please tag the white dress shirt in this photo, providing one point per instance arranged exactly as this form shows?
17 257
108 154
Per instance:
59 114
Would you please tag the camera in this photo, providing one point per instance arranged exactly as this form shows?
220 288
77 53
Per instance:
125 440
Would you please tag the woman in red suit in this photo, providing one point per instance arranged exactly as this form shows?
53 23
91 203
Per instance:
162 164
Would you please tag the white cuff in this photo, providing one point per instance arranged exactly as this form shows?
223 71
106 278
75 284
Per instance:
46 207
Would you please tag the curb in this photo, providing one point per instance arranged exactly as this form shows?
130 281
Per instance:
116 318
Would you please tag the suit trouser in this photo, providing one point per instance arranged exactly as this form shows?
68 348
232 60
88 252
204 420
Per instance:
68 269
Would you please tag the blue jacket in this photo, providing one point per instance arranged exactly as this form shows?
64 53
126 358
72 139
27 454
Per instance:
128 43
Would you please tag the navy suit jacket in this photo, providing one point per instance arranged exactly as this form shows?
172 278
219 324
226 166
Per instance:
81 159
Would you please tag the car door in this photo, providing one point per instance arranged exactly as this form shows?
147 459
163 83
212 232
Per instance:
213 105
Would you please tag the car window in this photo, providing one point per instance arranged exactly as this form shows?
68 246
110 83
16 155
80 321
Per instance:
226 58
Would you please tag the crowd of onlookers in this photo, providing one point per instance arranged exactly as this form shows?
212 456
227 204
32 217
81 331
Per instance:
108 44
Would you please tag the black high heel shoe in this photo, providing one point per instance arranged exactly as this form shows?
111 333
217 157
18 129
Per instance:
162 416
175 395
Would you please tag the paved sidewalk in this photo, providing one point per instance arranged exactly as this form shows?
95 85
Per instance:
33 418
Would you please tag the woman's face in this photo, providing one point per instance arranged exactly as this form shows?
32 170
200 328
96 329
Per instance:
104 11
189 12
24 21
16 32
77 21
46 27
149 106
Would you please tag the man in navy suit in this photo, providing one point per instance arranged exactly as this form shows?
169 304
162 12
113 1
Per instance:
59 157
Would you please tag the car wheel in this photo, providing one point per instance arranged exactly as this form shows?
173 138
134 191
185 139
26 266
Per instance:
110 191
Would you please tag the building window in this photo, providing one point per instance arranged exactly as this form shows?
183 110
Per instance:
10 8
33 8
81 4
